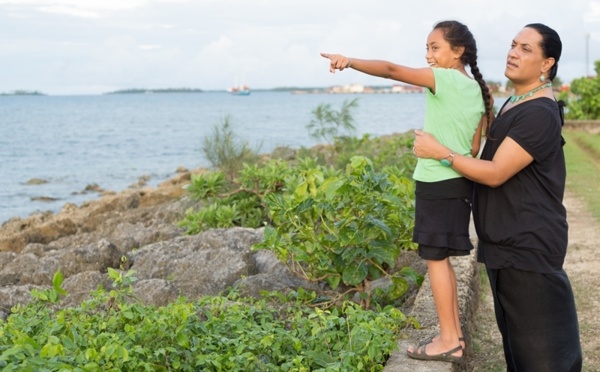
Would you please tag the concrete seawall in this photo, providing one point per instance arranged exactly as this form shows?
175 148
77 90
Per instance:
467 277
590 126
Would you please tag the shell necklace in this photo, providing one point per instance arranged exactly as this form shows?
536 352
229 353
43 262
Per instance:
514 98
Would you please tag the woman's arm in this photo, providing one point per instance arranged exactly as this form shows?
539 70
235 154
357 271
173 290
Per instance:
483 123
509 159
416 76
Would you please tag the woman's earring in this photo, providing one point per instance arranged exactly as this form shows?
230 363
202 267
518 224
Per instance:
542 78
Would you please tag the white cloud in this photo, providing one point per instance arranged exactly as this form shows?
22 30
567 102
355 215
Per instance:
594 13
149 47
61 44
67 10
89 5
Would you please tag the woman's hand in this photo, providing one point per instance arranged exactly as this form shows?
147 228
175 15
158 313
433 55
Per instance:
426 146
337 62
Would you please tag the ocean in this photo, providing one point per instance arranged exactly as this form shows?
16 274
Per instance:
112 141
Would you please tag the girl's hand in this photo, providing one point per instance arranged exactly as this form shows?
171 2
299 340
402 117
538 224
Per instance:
337 62
426 146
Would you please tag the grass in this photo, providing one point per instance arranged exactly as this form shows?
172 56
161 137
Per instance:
488 354
582 153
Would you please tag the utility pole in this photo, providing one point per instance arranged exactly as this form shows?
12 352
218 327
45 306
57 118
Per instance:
587 55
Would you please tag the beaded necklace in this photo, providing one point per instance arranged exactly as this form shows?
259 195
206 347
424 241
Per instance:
514 98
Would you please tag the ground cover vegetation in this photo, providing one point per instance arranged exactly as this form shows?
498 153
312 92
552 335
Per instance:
113 332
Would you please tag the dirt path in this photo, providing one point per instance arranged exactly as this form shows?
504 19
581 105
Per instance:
583 267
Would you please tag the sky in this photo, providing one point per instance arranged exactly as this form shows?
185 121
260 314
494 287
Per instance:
70 47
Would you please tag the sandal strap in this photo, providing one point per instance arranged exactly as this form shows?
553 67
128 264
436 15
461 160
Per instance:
450 352
426 341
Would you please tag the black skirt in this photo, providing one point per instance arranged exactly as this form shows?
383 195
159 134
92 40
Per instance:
442 216
537 318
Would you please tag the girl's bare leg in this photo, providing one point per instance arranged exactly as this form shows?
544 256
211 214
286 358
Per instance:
444 289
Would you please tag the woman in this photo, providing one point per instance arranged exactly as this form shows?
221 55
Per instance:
518 211
457 109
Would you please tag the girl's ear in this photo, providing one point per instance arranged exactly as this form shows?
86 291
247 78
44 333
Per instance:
458 51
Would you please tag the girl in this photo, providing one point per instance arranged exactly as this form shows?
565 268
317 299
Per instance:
458 107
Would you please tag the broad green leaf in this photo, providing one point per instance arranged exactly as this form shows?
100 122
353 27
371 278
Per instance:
57 279
355 274
381 255
330 186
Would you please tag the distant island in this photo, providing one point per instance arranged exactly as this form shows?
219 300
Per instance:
23 93
339 89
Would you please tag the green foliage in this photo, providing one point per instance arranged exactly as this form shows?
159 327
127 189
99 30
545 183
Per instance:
53 294
344 228
586 104
225 152
394 150
279 333
327 123
242 205
383 151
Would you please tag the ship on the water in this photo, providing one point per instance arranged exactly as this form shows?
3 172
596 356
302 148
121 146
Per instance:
240 90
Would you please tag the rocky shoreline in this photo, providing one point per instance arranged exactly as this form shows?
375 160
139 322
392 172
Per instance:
135 229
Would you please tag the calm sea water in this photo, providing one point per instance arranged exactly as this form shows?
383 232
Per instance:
113 140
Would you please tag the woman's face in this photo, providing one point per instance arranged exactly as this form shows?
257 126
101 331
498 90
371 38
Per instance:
525 58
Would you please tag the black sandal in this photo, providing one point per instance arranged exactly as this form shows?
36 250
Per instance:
443 357
429 340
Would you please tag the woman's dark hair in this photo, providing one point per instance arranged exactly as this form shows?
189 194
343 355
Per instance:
551 45
458 35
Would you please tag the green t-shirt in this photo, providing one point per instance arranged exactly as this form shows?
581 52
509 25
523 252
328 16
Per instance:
452 116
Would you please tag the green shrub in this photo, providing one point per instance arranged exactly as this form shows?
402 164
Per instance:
584 101
225 152
239 203
327 123
344 228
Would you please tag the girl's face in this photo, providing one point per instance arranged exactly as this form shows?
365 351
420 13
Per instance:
440 53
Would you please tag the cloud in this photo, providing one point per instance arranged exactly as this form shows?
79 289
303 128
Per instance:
70 11
84 5
55 45
594 14
149 47
86 9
